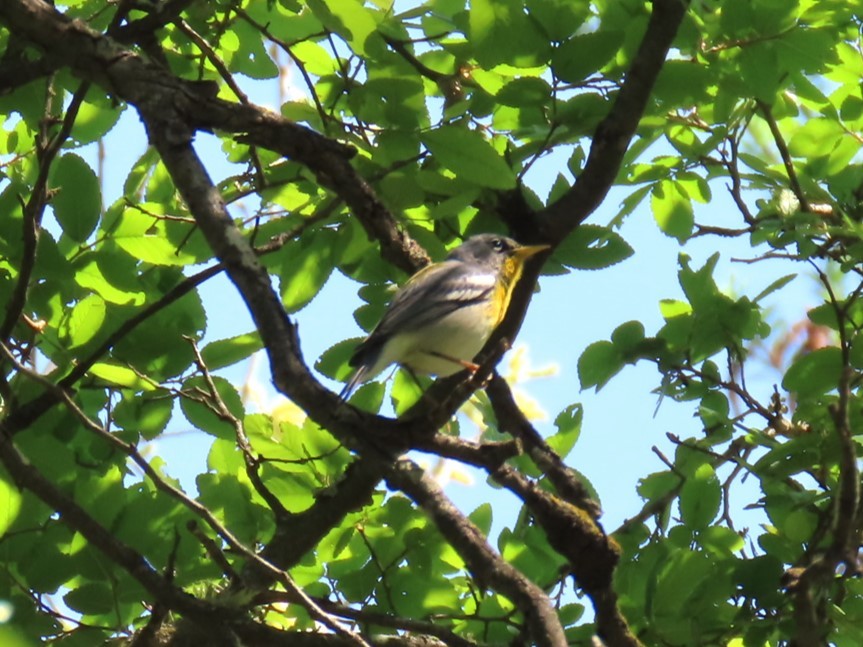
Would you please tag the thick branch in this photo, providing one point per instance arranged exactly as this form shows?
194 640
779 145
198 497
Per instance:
614 133
302 531
179 107
486 566
512 420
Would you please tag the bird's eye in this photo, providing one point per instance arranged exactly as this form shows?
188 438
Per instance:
498 245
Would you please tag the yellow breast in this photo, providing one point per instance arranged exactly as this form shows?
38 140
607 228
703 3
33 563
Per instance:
508 278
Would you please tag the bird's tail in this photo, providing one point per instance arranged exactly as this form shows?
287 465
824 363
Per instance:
363 359
352 383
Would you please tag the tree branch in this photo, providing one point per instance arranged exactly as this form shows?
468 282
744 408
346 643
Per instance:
173 103
28 477
615 131
785 154
46 150
486 566
191 504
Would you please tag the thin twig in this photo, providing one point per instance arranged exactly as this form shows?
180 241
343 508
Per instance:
785 154
215 60
286 47
34 209
217 405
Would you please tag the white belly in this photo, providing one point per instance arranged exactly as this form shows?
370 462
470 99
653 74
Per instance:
460 335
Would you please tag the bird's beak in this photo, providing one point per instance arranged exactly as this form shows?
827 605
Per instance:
527 251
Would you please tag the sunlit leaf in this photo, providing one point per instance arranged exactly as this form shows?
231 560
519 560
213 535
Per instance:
306 267
814 373
225 352
468 154
583 54
672 211
599 363
700 497
121 376
568 423
10 503
493 22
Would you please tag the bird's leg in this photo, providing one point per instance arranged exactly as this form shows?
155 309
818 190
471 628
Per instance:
503 346
470 366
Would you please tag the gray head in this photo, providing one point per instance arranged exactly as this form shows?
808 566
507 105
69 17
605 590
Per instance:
484 249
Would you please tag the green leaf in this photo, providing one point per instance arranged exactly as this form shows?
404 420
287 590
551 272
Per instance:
96 116
700 497
85 320
580 56
201 411
558 18
657 485
334 361
778 284
151 351
348 18
314 58
228 496
370 396
680 578
570 613
91 598
78 201
526 91
482 518
759 578
226 352
824 315
721 541
144 234
470 156
10 503
140 173
628 336
592 247
94 275
629 203
714 409
250 57
147 416
568 423
672 210
121 376
684 82
495 22
599 363
855 356
307 265
405 392
699 285
223 457
814 373
799 525
11 637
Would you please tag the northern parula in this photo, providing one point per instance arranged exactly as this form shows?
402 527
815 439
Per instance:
442 317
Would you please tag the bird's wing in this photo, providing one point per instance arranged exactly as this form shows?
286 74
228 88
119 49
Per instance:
421 301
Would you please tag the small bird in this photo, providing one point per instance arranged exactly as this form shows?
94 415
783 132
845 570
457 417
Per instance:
442 317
